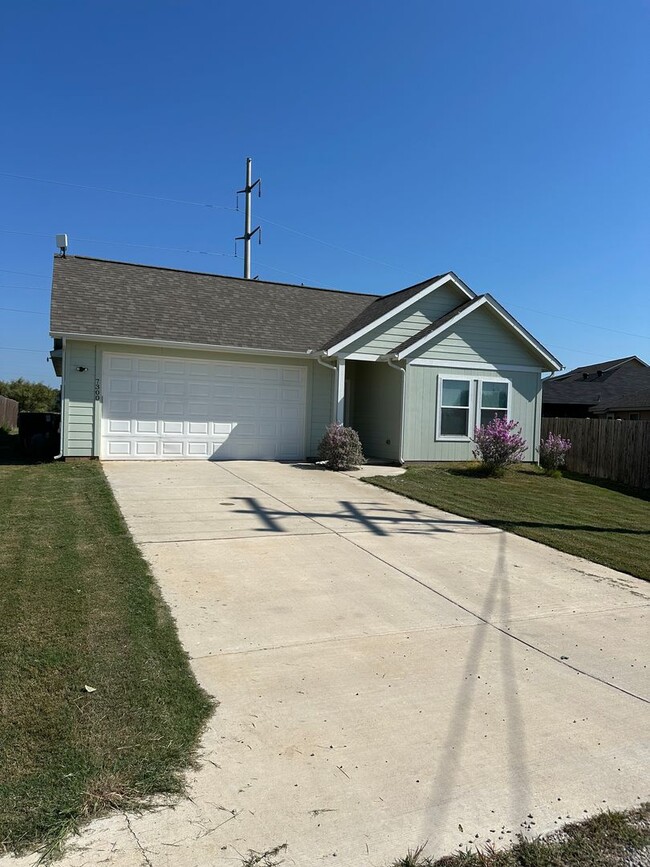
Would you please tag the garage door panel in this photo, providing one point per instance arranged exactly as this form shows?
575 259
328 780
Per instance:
171 448
180 408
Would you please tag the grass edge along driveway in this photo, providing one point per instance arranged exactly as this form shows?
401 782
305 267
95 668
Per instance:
575 515
81 608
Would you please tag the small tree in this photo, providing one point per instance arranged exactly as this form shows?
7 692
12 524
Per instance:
498 445
341 448
31 396
552 452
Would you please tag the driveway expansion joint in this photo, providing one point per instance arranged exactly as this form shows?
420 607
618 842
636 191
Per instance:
454 602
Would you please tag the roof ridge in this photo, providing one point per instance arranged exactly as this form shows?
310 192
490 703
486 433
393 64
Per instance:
223 276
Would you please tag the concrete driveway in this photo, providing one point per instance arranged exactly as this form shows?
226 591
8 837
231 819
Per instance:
387 673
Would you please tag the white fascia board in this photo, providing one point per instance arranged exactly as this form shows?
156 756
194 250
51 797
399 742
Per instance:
503 314
446 278
175 344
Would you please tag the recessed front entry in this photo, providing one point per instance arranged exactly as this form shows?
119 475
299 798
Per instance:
181 408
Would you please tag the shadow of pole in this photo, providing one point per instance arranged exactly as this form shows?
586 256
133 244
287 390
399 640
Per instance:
448 767
520 793
450 764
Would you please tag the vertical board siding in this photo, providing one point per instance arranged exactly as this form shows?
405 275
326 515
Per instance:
8 412
376 408
382 340
614 449
479 338
420 442
79 402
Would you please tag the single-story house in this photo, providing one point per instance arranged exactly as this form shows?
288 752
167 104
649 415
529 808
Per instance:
159 363
610 389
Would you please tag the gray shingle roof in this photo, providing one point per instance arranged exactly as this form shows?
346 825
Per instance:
118 299
382 305
585 387
639 399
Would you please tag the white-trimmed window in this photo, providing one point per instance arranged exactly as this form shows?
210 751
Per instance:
494 399
467 402
454 407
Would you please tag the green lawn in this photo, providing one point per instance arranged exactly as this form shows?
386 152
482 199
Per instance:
573 514
79 607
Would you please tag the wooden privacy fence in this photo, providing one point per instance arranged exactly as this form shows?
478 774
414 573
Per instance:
614 449
8 412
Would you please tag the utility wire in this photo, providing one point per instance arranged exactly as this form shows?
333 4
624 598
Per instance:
205 205
154 247
264 220
117 192
28 288
25 273
15 310
21 349
578 322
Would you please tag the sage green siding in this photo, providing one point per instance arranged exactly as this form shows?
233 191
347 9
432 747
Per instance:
421 401
376 407
78 434
320 399
390 334
479 338
81 432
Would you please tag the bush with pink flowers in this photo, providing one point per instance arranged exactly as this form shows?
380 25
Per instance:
499 444
341 448
552 452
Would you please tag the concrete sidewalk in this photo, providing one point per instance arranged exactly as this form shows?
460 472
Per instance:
387 673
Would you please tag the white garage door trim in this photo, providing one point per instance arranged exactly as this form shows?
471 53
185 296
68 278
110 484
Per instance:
168 408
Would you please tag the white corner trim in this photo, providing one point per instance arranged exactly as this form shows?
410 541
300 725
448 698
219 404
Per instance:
473 365
175 344
446 278
501 312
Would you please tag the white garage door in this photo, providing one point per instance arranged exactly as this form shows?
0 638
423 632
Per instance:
177 408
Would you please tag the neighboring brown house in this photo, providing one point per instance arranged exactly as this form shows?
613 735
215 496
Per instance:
612 389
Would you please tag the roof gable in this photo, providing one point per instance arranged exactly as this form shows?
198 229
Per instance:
389 306
478 345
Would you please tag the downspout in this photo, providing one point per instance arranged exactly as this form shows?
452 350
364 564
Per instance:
402 370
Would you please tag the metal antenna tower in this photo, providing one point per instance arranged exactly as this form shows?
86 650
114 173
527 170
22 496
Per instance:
246 237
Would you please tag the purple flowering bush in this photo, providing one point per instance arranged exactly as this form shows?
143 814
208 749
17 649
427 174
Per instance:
498 445
340 448
552 452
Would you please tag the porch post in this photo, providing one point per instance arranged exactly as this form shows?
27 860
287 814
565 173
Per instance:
339 393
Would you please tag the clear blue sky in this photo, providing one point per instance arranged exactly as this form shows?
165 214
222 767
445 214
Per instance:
507 141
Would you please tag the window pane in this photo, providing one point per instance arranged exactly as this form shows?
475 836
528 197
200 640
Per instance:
453 422
487 415
455 392
495 394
